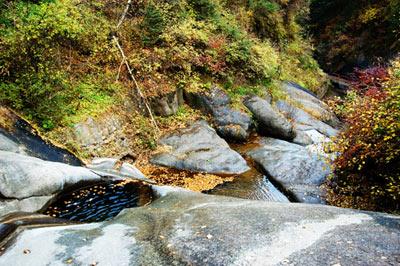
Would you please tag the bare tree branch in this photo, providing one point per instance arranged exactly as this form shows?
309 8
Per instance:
121 20
125 61
115 39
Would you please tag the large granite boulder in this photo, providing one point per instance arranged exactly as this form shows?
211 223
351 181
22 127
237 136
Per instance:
303 120
199 149
310 103
270 121
23 176
184 228
231 124
297 170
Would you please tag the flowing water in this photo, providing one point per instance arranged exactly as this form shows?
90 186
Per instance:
250 185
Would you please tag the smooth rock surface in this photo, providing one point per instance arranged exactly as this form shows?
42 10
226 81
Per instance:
303 120
294 167
271 122
302 138
108 167
199 149
231 124
32 204
23 176
184 228
310 103
6 144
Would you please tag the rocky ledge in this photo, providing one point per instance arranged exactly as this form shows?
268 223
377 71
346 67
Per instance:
187 228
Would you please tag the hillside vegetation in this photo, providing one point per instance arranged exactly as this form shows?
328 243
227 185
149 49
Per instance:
58 63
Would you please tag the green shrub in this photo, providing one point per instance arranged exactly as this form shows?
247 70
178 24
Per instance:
33 53
204 8
153 25
238 52
267 22
267 6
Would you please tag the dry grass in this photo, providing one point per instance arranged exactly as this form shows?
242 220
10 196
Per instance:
193 181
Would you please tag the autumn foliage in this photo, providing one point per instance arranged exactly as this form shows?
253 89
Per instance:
367 170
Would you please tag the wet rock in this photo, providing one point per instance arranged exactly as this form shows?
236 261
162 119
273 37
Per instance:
183 228
299 171
32 204
250 185
233 132
230 124
167 104
310 103
19 136
23 176
199 149
303 120
270 121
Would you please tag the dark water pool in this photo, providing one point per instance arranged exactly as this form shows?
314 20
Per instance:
98 201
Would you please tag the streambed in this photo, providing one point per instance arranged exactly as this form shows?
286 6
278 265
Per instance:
252 184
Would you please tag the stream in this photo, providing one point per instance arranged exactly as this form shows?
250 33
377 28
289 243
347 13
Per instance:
103 200
253 184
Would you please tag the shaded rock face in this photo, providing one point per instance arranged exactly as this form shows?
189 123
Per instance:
21 137
199 149
96 133
230 124
310 103
270 121
23 176
298 170
303 120
183 228
107 135
166 105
